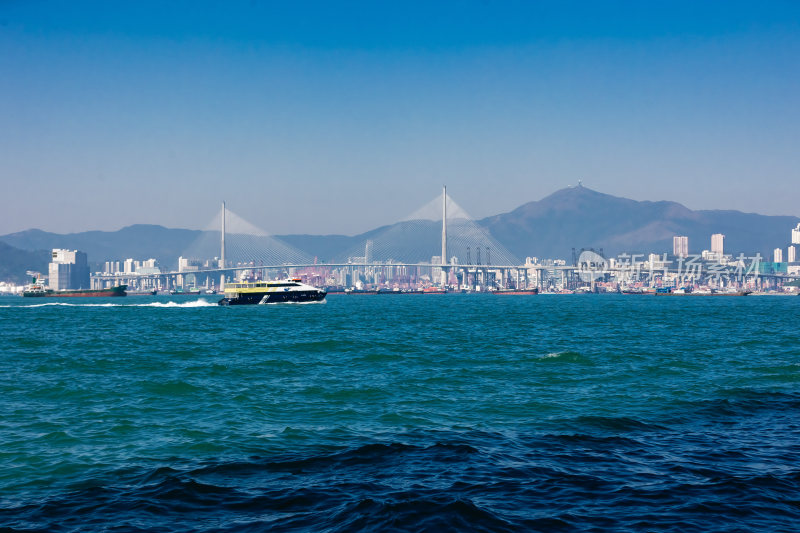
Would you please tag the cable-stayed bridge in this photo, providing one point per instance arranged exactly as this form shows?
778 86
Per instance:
438 244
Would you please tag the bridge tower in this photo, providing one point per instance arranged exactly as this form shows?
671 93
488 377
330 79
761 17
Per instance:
222 249
444 236
222 243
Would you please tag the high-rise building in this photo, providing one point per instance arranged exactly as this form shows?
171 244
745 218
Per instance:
790 255
69 269
130 266
796 235
718 244
680 246
188 265
368 251
777 255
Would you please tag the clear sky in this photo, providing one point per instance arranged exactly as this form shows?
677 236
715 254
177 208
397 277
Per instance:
336 117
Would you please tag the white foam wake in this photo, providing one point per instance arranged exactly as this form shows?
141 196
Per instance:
197 303
173 305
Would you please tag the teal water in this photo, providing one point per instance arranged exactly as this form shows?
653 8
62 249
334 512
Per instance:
412 412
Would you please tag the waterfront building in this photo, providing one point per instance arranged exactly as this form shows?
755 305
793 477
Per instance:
680 246
69 269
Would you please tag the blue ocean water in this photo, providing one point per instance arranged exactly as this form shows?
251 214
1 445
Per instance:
412 412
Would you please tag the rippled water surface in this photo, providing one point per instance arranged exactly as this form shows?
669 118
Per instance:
412 412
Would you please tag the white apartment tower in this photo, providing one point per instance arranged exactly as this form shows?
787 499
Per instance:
718 244
777 255
680 246
796 235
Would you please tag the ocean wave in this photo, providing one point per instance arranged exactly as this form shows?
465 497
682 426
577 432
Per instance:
617 423
733 404
551 482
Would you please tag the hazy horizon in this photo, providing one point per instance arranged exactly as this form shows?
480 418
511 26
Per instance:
213 224
336 119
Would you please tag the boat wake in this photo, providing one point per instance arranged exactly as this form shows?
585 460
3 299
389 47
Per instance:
197 303
172 305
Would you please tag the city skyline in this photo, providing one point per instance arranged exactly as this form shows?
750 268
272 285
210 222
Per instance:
140 114
359 273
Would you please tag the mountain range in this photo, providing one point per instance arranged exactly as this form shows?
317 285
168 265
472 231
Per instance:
575 217
581 217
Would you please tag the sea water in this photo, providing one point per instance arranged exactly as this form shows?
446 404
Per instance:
402 412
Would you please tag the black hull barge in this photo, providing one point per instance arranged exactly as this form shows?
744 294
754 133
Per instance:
271 292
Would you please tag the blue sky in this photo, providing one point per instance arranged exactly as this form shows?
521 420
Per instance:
338 117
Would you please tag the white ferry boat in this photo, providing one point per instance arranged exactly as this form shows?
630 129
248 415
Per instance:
268 292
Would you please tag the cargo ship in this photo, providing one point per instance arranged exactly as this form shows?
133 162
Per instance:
269 292
669 291
517 292
40 291
361 291
429 290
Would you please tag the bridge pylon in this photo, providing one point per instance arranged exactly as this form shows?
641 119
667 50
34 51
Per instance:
444 236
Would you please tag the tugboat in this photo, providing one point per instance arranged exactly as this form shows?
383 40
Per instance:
34 289
434 290
264 292
187 292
